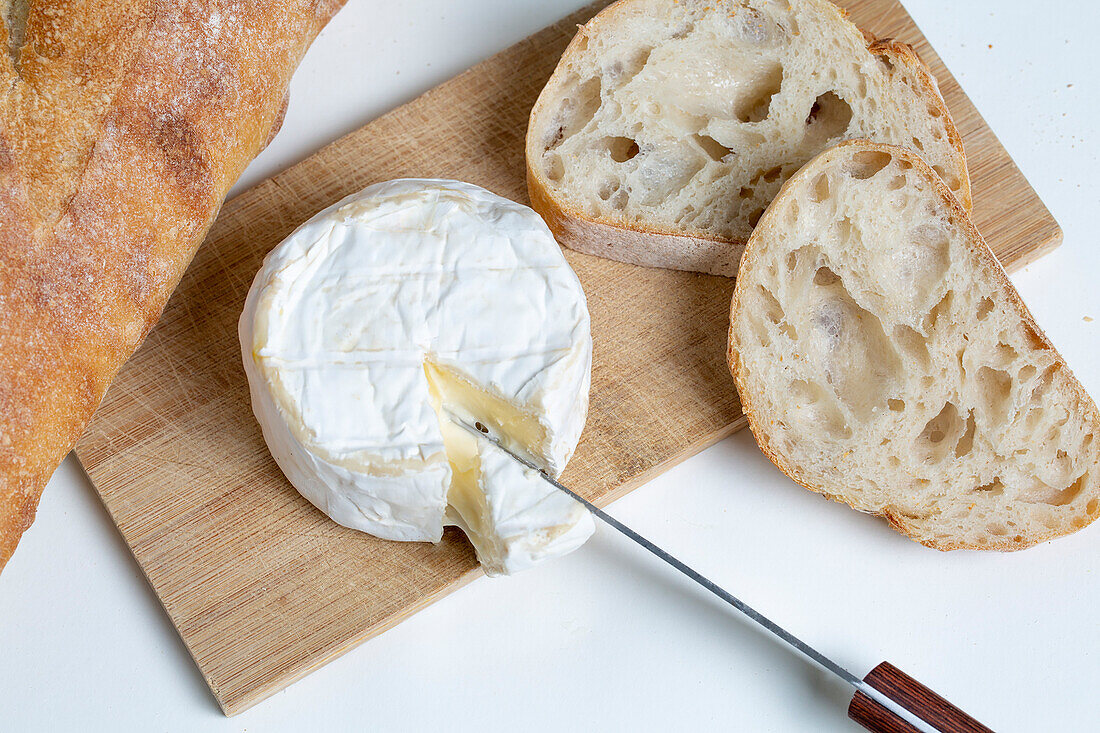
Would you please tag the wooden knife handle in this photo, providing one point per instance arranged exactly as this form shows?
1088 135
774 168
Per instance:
914 697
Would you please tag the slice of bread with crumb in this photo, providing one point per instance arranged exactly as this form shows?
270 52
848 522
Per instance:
669 126
884 359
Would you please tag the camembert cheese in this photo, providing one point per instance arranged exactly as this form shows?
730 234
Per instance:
390 311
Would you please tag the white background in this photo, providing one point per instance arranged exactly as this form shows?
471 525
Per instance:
605 639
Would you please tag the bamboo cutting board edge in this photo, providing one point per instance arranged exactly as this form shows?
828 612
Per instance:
277 685
233 689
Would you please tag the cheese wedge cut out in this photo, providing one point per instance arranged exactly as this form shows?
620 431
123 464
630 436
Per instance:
389 312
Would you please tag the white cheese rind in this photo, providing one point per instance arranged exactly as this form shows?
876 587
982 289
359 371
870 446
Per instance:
341 319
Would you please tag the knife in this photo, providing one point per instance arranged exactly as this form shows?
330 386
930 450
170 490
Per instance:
886 701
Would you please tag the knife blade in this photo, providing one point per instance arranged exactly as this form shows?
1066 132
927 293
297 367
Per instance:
913 706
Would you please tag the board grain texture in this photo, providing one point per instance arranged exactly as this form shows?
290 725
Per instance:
263 587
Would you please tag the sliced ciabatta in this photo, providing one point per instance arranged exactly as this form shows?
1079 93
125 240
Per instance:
884 359
669 125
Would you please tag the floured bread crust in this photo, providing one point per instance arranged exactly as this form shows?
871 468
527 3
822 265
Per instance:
122 126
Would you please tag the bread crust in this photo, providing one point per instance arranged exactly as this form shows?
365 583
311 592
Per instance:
651 246
122 127
903 54
758 421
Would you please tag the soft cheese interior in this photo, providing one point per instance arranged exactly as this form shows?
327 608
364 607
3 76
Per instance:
394 309
511 516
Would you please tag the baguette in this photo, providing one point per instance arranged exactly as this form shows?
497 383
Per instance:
884 359
122 127
668 126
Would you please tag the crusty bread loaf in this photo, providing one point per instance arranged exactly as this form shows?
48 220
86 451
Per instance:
122 126
884 359
669 125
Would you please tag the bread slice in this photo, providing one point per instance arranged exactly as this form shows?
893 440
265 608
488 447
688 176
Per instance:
668 126
884 359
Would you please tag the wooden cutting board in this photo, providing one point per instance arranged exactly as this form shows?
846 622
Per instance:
263 587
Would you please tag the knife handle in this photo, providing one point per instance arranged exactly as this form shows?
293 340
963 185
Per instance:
914 697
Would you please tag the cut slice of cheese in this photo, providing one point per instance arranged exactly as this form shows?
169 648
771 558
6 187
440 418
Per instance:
394 309
510 514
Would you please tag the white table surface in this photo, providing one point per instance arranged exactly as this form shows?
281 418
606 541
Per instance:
606 639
